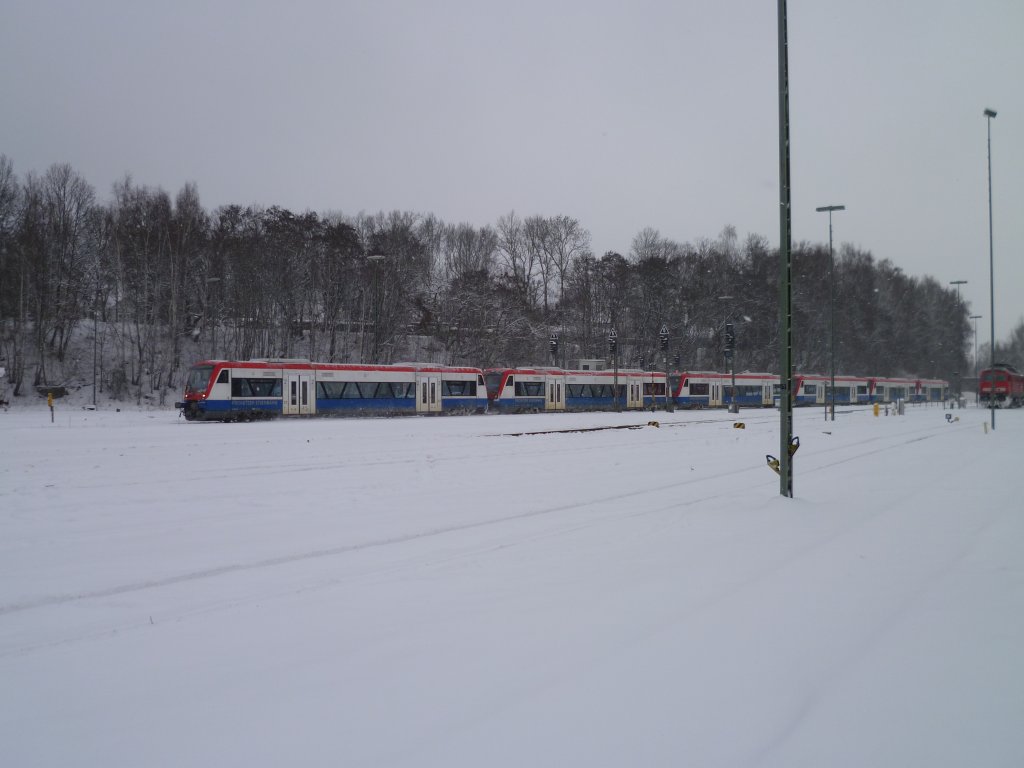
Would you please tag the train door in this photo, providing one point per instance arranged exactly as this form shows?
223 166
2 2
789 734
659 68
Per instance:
554 393
428 393
299 397
715 394
634 392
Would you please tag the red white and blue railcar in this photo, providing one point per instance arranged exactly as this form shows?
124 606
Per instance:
931 391
526 390
1001 385
228 390
708 389
889 390
816 389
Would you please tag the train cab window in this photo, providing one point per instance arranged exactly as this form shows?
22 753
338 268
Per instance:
810 389
223 378
493 383
698 389
198 378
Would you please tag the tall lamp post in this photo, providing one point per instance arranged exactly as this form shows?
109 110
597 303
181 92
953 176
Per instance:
375 258
958 283
989 114
831 307
976 318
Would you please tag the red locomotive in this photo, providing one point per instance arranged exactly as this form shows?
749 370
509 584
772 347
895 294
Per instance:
1002 384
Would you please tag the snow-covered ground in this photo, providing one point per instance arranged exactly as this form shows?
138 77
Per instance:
440 592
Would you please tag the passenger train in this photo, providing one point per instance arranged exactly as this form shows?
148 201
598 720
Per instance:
225 390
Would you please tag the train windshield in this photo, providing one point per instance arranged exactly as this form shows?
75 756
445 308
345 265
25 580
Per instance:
198 378
493 382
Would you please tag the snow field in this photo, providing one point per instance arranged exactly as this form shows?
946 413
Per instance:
436 591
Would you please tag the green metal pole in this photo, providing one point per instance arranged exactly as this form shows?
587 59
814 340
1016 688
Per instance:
785 270
989 114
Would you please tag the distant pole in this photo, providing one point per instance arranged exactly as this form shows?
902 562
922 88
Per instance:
210 288
958 283
989 114
976 318
959 314
95 342
785 270
613 350
831 306
663 341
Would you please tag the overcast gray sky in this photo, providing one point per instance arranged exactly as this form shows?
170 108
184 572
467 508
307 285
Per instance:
624 115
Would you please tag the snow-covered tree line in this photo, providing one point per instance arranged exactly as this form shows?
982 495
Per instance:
146 284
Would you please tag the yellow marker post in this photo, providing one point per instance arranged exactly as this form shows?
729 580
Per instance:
49 402
876 409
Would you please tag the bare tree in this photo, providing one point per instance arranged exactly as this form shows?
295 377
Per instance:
516 258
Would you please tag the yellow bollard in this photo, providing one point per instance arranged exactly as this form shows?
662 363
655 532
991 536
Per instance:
985 425
876 409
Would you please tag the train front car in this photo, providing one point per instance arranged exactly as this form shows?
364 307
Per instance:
1002 386
197 387
223 390
207 393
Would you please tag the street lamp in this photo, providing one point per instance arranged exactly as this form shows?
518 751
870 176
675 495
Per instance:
958 283
976 318
989 114
375 259
831 307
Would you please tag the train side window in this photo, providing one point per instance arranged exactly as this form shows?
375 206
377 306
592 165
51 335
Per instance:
223 378
455 388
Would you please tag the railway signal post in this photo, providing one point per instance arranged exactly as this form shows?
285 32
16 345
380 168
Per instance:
663 342
613 350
